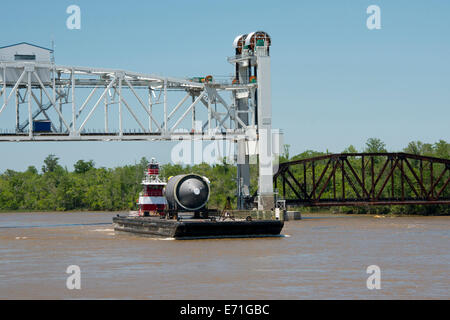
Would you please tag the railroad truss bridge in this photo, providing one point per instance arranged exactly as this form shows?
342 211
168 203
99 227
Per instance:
360 179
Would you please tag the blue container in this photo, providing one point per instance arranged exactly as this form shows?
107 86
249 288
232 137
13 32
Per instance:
42 126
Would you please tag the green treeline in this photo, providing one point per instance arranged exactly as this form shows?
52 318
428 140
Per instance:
90 188
86 187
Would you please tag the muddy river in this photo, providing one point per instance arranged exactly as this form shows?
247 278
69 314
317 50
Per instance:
319 257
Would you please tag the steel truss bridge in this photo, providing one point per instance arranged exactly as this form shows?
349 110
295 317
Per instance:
82 102
360 179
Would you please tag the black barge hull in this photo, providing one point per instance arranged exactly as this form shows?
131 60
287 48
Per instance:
197 228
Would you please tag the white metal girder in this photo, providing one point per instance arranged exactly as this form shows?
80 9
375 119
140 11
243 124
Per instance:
97 103
65 84
187 110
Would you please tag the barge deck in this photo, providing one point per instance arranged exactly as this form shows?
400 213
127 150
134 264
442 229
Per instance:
197 228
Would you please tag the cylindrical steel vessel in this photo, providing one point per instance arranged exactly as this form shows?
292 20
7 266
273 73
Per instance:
187 192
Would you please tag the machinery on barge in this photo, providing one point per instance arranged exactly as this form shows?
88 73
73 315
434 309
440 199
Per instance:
182 193
178 209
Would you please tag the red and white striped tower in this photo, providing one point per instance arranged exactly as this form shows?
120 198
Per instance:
151 199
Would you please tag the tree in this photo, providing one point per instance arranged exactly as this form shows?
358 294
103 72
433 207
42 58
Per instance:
50 163
375 145
307 154
144 162
419 148
350 149
82 166
442 149
285 154
32 170
414 147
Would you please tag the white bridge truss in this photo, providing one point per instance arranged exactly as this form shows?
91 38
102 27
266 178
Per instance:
40 101
91 104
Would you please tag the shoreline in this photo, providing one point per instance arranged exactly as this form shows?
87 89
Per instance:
53 211
318 213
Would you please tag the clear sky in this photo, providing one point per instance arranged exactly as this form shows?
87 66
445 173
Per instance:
334 81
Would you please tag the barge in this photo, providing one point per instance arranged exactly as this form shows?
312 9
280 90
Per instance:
197 228
162 210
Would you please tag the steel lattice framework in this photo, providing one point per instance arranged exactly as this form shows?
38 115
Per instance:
58 98
356 179
62 104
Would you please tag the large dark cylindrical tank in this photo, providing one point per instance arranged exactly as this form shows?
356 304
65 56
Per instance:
187 192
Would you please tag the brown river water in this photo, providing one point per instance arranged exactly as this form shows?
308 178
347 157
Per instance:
319 257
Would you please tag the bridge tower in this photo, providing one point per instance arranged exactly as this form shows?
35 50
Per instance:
252 63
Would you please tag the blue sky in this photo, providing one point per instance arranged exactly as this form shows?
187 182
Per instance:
334 82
